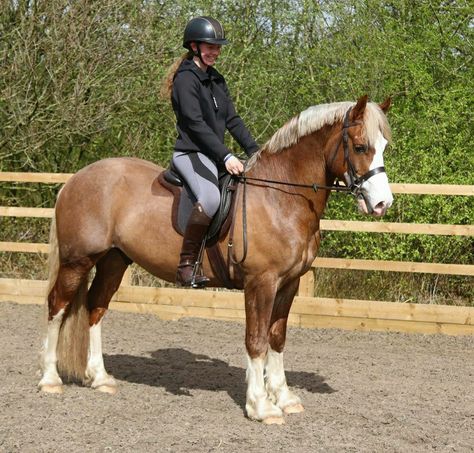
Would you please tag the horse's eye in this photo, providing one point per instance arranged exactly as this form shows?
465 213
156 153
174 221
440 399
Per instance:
359 149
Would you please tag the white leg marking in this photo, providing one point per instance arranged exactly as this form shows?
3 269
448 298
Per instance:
258 405
276 385
50 381
95 371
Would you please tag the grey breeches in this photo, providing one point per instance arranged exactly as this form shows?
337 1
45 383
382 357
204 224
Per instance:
200 174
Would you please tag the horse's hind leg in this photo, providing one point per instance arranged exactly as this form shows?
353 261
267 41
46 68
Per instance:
67 284
276 385
109 272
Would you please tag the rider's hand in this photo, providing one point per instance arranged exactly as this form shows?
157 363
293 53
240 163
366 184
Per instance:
234 166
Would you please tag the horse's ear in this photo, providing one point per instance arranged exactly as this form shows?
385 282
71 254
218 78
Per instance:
359 109
385 105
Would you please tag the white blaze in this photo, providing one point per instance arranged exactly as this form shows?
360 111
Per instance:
376 190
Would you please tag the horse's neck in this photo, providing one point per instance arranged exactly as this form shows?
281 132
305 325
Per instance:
303 163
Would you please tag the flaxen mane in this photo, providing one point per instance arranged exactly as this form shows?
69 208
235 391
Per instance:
314 118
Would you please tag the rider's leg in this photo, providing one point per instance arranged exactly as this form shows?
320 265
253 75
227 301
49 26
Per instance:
200 174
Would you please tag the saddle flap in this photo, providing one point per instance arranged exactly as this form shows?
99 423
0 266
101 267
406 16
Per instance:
227 186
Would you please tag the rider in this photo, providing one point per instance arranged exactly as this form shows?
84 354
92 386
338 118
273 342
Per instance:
204 110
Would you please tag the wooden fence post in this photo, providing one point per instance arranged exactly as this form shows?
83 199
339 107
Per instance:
127 277
307 284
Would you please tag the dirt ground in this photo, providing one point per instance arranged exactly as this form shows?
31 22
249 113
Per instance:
182 389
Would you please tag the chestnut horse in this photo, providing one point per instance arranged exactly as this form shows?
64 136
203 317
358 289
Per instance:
114 212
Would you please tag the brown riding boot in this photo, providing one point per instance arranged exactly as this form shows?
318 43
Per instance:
196 229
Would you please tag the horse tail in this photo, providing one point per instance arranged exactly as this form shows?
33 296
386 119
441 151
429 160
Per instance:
73 340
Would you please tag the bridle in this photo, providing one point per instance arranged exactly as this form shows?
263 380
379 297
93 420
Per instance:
353 184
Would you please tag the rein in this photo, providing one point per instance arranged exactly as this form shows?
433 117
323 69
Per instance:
354 187
336 187
242 178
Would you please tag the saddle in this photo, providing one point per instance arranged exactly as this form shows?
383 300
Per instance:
183 203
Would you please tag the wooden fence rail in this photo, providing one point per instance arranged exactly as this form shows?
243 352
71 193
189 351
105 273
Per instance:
331 263
308 311
413 189
362 315
328 225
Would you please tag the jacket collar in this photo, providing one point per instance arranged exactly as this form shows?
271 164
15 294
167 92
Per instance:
210 74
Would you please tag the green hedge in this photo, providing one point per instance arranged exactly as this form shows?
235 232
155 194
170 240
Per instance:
80 81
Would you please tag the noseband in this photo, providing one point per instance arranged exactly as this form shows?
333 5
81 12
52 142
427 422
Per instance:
354 182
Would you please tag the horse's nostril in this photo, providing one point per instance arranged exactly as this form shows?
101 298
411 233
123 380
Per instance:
380 209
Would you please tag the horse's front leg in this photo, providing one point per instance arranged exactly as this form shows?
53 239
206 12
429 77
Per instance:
276 385
259 299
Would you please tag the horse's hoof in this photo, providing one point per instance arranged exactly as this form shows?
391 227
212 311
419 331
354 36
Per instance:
47 388
293 409
273 421
111 390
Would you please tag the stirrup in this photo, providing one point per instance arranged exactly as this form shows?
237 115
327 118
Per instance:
191 278
199 281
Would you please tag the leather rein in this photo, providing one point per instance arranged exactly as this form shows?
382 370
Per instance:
354 187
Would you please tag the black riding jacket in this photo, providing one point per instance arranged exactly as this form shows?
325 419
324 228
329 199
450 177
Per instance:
204 110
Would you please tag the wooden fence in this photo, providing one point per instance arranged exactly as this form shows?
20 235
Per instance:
307 311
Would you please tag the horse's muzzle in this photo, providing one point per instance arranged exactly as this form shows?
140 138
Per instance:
379 210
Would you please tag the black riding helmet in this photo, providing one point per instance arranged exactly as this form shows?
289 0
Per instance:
204 29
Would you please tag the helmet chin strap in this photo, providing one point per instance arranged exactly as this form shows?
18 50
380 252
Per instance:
197 53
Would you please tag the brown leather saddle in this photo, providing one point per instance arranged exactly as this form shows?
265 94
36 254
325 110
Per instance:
183 203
